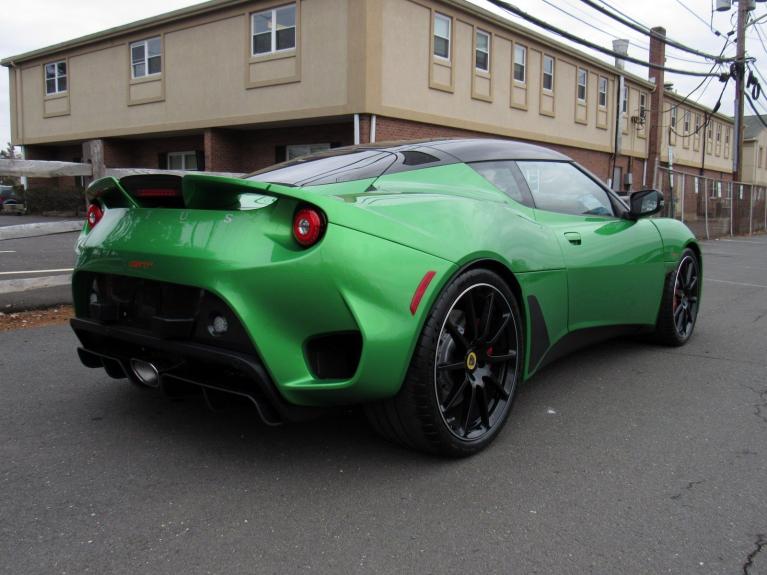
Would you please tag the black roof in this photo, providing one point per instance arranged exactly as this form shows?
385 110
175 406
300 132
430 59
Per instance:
471 149
374 160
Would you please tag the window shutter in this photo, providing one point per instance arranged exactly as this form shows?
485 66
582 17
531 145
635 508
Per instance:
200 160
162 161
280 154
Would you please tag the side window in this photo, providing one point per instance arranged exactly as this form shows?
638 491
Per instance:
561 187
504 175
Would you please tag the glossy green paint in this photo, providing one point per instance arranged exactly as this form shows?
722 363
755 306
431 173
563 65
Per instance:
382 236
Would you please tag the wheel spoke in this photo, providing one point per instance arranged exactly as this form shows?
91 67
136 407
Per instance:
511 354
679 318
451 366
498 387
458 337
455 394
482 404
467 413
471 315
693 283
501 329
487 316
688 274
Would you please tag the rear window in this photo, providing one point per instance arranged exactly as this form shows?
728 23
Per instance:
327 168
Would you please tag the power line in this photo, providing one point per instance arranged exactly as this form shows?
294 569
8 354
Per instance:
697 16
708 116
644 30
753 107
706 81
626 16
573 38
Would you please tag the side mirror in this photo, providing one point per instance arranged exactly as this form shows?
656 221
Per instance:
645 203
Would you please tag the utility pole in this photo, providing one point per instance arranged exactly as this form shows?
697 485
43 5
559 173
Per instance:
740 86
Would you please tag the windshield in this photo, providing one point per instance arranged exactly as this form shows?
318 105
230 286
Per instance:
327 168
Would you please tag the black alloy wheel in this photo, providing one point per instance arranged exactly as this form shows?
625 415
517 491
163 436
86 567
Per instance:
476 350
459 388
681 300
685 304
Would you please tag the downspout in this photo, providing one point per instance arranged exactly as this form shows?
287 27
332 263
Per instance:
373 129
356 129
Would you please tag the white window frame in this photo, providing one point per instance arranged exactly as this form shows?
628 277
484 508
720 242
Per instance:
293 151
477 49
273 33
642 103
718 133
183 156
56 77
449 38
603 93
522 64
583 75
547 58
686 122
133 63
673 117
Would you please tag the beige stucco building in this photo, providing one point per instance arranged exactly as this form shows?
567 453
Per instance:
234 85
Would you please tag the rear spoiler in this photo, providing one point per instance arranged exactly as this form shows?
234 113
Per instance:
191 191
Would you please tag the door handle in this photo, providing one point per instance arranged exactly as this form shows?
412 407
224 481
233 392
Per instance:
573 237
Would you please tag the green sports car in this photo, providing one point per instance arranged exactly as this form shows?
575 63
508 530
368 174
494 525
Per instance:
424 280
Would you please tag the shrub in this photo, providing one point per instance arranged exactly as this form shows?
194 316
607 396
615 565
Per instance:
45 199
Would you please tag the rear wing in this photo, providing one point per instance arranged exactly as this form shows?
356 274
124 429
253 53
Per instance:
191 191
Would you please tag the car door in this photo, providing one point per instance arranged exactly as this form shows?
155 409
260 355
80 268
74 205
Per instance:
615 269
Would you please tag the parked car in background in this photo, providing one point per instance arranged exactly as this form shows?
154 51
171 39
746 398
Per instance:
11 201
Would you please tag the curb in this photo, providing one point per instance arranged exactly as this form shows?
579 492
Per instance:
21 285
39 229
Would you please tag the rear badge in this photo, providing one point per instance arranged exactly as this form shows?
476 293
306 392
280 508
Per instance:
141 265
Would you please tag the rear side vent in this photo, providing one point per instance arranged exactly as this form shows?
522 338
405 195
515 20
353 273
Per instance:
335 355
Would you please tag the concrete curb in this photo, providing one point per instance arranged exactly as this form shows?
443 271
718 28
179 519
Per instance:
21 285
39 229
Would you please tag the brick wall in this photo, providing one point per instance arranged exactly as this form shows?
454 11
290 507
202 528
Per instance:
70 153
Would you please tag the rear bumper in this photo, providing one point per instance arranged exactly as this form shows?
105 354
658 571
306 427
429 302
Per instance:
113 348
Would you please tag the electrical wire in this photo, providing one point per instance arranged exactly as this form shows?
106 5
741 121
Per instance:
708 116
706 81
573 38
753 107
644 30
697 16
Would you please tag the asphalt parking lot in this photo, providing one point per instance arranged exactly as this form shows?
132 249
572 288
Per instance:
625 458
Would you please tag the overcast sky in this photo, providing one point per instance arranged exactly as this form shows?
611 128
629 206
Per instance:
33 24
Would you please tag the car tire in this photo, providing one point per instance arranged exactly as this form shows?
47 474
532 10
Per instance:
679 307
459 387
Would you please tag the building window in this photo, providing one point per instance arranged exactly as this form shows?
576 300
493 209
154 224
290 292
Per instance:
697 123
274 30
297 150
520 63
603 92
548 73
482 51
56 77
442 36
673 117
186 161
642 104
687 122
718 133
583 78
146 57
761 153
727 137
710 131
625 101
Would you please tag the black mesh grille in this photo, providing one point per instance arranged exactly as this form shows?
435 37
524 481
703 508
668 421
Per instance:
167 310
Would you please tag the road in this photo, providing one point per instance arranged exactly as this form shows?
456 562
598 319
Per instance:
35 257
626 458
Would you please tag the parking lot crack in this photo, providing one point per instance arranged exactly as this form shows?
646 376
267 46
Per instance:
761 542
760 409
690 485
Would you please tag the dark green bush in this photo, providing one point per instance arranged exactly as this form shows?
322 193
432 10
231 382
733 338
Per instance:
51 199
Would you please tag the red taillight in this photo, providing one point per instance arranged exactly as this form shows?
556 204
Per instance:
308 225
94 214
158 193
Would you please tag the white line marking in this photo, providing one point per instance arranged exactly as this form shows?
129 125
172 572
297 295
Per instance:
35 272
733 283
744 242
7 251
18 285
